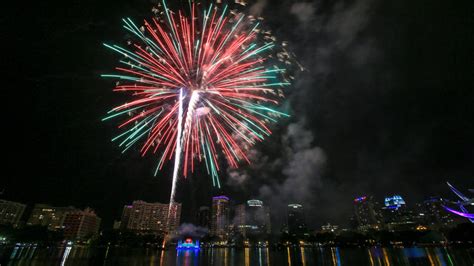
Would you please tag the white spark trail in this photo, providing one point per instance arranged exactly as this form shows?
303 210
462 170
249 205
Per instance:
179 142
189 115
177 157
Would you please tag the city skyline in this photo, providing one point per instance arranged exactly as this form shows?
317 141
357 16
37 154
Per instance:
382 106
224 213
237 132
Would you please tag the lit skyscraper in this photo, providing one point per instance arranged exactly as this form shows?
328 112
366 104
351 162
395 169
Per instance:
81 224
394 202
396 214
11 212
329 228
144 217
220 216
127 209
296 220
366 213
253 218
434 214
49 216
394 209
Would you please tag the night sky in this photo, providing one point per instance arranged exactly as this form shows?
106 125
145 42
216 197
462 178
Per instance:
384 106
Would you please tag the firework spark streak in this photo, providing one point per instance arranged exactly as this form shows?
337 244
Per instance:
177 157
205 69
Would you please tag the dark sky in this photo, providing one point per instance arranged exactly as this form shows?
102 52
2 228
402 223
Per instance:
384 106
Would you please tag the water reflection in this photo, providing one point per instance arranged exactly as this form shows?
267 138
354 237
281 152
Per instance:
67 250
267 250
336 258
162 255
385 257
225 256
76 255
247 256
187 257
303 259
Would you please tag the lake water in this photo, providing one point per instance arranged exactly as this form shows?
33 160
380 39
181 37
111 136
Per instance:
231 256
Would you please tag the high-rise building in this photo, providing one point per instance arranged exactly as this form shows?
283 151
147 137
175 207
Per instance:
116 225
253 218
329 228
49 216
394 209
396 215
432 213
81 225
296 220
144 217
394 202
11 212
203 216
366 213
127 209
220 216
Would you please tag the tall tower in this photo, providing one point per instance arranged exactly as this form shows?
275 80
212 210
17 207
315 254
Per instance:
203 216
394 210
365 213
435 215
52 217
81 224
150 218
11 212
296 220
253 218
220 216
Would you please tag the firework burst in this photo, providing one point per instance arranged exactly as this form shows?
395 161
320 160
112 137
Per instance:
200 87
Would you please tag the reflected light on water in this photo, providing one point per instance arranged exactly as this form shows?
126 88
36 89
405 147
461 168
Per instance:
436 258
430 257
152 259
370 257
303 259
338 255
225 257
15 250
247 257
385 257
439 256
106 253
232 256
162 255
376 256
268 256
289 255
212 256
336 258
65 255
449 256
186 258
